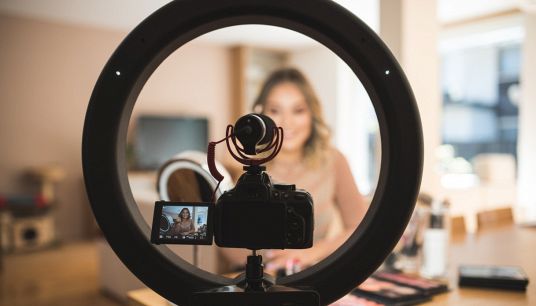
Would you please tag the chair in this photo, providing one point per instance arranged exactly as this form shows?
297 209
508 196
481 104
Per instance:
457 227
490 219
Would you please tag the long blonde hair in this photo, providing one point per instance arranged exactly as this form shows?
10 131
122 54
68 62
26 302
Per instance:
318 142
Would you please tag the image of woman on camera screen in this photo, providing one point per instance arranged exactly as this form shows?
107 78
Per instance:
308 160
183 224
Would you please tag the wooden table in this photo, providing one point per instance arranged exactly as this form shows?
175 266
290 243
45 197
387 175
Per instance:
509 245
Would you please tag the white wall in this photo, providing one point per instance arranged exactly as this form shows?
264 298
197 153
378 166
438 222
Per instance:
47 74
527 125
410 29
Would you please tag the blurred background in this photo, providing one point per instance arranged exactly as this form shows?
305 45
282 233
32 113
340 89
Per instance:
469 64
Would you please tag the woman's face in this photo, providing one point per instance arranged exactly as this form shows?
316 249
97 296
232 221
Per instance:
185 214
286 105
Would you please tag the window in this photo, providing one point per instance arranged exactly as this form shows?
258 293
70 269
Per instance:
480 86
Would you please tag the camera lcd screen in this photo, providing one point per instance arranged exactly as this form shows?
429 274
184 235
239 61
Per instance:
182 223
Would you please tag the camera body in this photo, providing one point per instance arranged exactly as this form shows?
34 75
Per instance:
257 214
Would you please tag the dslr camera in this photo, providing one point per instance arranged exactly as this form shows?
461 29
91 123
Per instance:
255 214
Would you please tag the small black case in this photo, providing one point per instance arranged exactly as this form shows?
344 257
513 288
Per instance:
497 277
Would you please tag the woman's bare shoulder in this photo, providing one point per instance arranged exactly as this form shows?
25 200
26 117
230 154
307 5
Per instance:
337 157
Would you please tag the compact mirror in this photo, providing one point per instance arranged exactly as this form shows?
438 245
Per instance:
184 185
186 178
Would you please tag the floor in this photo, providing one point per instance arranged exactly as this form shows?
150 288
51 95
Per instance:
64 275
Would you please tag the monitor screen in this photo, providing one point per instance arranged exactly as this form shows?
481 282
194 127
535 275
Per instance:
182 223
158 138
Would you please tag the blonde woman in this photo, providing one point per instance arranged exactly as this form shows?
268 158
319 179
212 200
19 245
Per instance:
308 160
183 224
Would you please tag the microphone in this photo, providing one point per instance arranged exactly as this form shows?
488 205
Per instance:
257 133
254 131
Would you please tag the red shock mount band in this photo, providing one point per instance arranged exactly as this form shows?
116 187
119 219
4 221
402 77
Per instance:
240 156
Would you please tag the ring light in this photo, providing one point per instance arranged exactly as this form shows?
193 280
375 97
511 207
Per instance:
180 21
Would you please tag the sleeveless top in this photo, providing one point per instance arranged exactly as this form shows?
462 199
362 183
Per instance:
183 227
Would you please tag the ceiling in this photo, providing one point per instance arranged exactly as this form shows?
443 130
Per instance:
124 15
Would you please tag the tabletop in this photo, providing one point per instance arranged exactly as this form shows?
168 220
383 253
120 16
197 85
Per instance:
510 245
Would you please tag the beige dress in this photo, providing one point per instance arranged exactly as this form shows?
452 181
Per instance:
183 227
330 184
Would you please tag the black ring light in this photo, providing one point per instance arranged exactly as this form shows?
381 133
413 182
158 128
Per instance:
180 21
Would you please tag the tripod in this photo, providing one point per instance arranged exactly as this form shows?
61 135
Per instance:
254 287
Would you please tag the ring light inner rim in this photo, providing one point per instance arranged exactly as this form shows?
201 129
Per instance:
362 78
